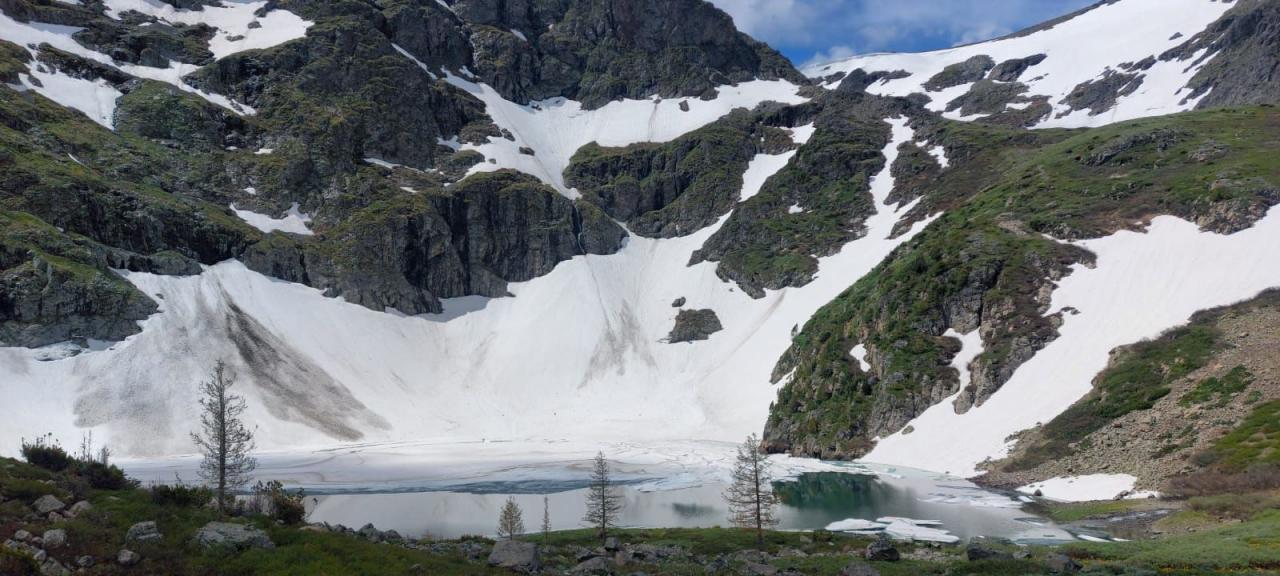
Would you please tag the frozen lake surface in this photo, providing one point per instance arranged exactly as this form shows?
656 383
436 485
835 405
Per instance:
448 489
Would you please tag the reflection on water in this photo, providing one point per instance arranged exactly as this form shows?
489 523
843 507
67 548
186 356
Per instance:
812 501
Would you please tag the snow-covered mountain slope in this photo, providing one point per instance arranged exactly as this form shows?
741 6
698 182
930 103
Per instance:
1109 57
237 27
1141 285
578 353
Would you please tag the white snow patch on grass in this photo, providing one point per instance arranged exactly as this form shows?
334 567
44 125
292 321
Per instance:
1078 50
1082 488
802 134
859 353
95 98
1142 285
970 348
293 222
760 169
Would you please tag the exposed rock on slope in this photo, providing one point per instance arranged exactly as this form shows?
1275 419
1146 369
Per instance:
677 188
598 51
1245 49
409 251
984 265
694 325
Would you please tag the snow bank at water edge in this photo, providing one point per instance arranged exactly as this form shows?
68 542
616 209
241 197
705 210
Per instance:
1142 285
318 371
1082 488
1122 32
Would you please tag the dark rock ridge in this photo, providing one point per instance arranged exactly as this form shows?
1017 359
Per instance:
692 325
970 70
1100 94
1245 49
408 252
1011 70
597 51
763 244
680 187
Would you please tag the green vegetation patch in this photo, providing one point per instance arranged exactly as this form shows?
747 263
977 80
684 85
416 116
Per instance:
1136 379
1255 442
1221 389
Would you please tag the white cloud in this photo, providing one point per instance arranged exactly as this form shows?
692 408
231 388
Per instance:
830 27
830 55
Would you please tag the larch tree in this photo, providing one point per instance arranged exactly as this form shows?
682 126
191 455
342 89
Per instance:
604 503
546 520
511 520
223 438
750 493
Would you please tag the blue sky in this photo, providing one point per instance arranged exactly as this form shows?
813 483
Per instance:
818 30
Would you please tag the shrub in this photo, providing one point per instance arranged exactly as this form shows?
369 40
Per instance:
27 490
103 476
18 563
46 453
1255 478
272 499
180 495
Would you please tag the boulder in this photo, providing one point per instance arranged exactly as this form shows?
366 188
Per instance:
127 558
79 508
694 325
1061 564
883 550
46 504
596 565
22 535
757 569
239 536
143 532
51 567
516 555
976 552
85 562
54 539
611 544
371 533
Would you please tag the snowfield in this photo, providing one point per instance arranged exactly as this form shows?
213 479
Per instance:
576 354
1142 285
1083 488
1077 51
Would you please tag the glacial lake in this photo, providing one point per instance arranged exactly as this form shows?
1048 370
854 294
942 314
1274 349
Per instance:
810 502
450 489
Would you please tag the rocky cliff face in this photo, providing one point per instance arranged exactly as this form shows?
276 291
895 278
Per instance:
598 51
366 81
